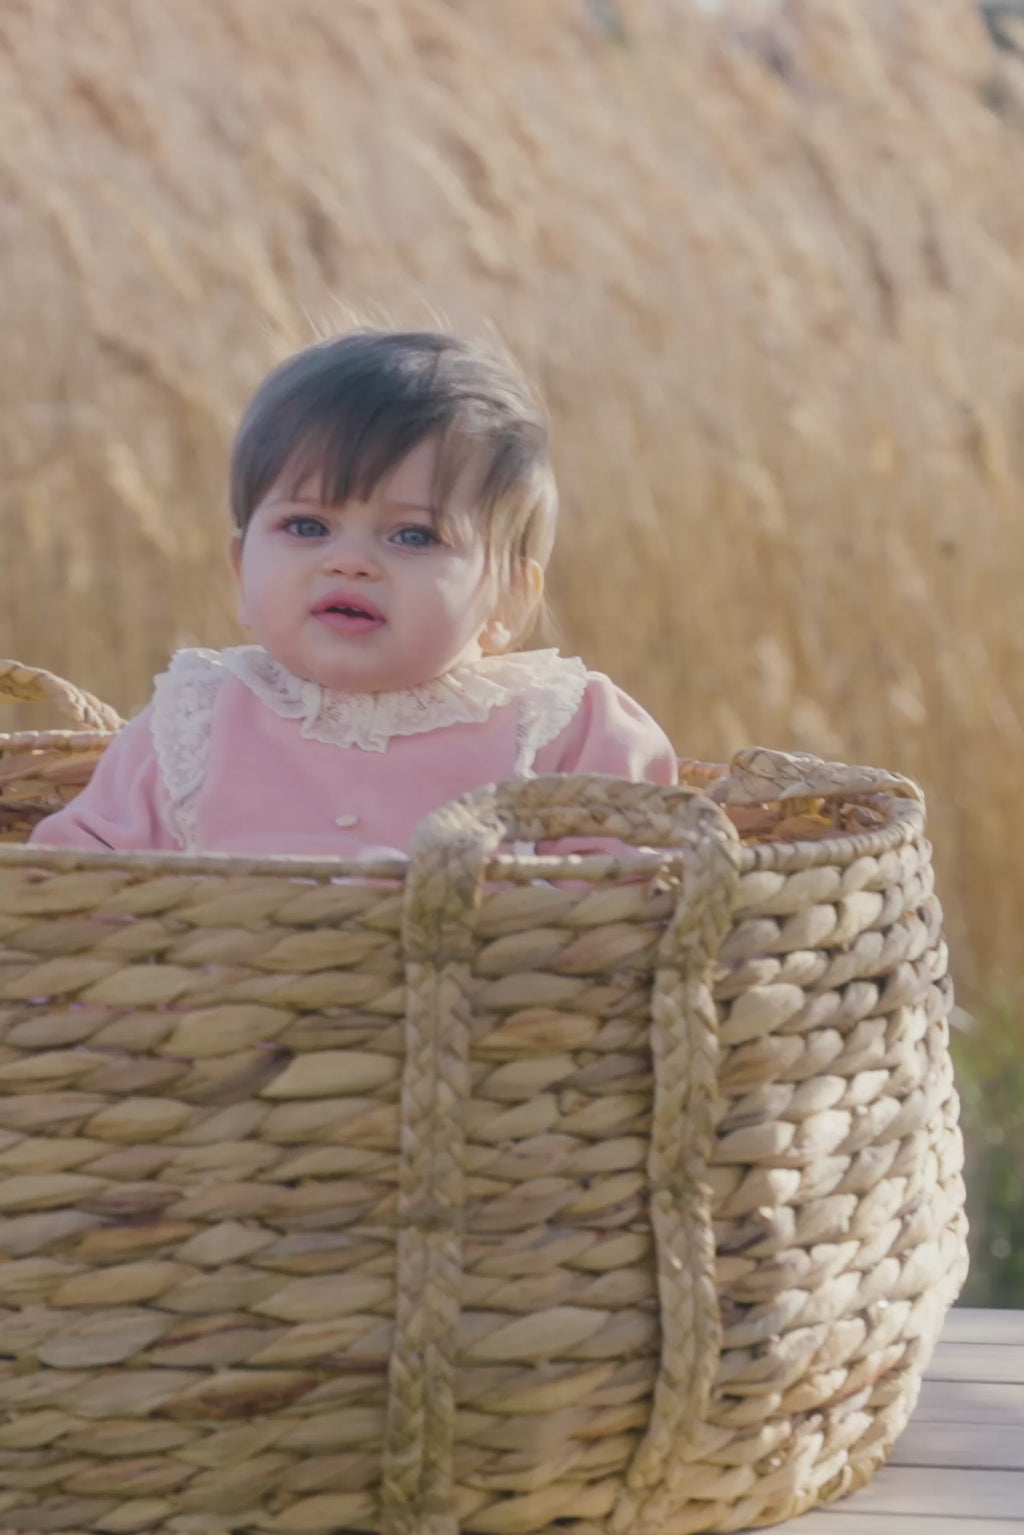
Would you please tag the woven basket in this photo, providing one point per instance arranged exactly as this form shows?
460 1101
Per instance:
491 1192
42 770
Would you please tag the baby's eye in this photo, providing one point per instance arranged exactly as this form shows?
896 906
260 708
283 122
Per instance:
415 536
305 527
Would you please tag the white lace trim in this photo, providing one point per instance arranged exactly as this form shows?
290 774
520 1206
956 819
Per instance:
184 701
551 686
544 711
548 687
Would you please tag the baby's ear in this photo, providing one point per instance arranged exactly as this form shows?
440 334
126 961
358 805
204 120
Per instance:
495 637
527 598
235 553
533 586
516 612
235 556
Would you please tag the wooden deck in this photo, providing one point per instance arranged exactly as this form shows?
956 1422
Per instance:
959 1468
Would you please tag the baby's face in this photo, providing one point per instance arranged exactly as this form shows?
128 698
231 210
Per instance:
368 597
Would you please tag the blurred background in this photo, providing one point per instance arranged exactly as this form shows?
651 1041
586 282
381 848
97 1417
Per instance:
764 257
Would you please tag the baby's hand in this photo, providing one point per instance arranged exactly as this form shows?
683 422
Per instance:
368 855
372 854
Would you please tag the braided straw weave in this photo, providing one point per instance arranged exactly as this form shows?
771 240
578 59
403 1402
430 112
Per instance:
496 1193
41 770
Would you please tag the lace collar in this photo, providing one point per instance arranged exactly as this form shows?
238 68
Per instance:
465 695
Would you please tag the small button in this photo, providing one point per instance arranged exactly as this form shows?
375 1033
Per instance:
347 820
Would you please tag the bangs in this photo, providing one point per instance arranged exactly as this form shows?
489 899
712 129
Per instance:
340 465
345 428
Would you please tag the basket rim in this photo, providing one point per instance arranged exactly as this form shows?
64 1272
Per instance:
23 742
905 824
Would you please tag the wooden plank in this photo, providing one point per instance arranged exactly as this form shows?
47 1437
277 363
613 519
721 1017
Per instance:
985 1446
904 1500
978 1361
959 1467
964 1325
968 1402
950 1494
837 1521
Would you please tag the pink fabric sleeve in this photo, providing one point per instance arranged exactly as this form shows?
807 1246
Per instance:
610 733
120 807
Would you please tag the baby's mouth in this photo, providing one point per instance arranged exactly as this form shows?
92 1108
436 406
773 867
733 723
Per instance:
349 617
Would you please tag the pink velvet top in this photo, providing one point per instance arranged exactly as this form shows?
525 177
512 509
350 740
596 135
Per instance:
236 755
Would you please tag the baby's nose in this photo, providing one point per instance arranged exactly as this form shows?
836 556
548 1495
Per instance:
352 556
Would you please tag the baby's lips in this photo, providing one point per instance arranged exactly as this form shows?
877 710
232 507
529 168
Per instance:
349 600
350 621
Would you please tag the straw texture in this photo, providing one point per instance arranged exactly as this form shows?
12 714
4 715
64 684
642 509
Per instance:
501 1194
764 260
42 770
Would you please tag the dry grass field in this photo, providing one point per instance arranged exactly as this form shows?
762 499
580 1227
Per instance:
767 262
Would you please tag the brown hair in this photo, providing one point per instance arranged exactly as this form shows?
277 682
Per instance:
350 408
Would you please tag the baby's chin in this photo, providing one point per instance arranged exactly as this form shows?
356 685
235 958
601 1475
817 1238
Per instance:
368 676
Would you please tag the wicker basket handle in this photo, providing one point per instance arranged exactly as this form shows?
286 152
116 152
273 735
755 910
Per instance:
757 776
570 805
30 684
451 855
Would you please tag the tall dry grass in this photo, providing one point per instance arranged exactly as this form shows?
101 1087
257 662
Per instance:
767 262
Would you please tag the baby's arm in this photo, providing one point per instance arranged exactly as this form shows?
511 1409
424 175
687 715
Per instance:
610 733
120 806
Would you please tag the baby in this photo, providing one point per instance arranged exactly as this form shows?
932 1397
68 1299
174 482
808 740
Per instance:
395 511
